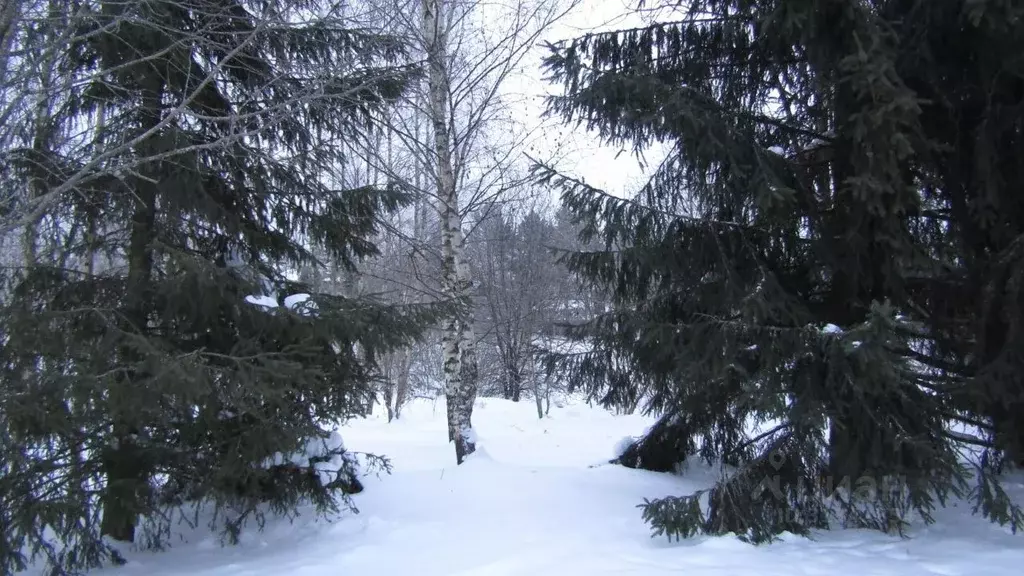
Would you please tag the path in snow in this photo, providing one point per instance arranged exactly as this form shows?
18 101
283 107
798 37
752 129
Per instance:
530 504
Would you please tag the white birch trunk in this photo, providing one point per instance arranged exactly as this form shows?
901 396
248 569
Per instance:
460 363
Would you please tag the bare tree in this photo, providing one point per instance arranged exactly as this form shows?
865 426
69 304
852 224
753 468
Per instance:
524 292
464 133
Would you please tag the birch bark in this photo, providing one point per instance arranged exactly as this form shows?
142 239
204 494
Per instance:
458 341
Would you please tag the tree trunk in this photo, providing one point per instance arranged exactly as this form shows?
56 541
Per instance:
9 13
402 385
538 397
389 387
513 374
460 363
517 386
125 473
120 500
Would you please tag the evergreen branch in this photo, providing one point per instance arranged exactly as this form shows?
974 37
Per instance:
549 175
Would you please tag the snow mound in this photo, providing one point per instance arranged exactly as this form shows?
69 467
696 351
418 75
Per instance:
531 504
325 455
623 444
832 329
262 300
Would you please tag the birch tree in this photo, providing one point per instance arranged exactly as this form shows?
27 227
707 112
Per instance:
460 363
469 49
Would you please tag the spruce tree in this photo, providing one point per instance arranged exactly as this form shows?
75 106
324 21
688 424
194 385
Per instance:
817 288
186 166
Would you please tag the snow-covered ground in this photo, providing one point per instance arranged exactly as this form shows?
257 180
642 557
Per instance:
531 503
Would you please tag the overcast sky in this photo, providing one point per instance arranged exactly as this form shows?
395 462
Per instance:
581 154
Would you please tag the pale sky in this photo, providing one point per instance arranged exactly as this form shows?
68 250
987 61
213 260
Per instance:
582 154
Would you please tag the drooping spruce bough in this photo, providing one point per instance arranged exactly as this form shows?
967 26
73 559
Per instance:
177 157
820 285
